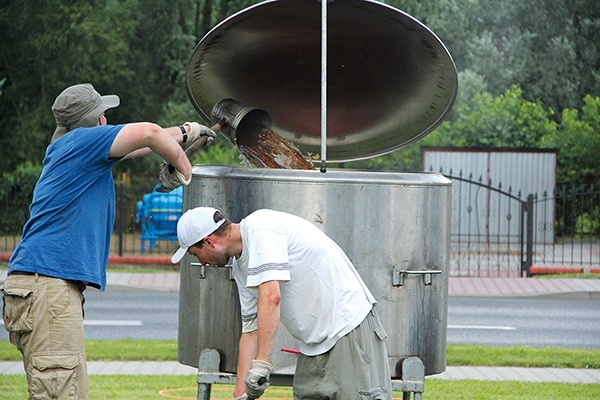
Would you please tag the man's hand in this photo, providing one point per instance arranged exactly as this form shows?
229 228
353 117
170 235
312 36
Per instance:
170 178
195 131
257 380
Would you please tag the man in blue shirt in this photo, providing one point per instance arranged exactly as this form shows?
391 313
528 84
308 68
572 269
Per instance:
65 242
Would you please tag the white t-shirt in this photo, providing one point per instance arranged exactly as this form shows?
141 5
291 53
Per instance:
322 295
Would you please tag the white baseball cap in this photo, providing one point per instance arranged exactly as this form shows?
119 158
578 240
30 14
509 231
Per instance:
193 226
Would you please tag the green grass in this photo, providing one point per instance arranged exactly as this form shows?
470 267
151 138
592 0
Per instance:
522 356
112 350
142 269
456 354
131 268
568 276
145 387
185 387
131 350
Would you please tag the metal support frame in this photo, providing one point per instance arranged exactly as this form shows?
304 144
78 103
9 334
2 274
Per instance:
413 379
413 376
208 373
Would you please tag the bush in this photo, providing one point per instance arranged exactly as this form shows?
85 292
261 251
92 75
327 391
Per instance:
16 192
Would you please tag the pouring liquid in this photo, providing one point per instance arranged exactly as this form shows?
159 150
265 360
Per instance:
264 148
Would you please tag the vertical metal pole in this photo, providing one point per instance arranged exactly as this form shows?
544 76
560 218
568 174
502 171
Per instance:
204 391
522 252
591 255
121 212
529 261
323 84
208 363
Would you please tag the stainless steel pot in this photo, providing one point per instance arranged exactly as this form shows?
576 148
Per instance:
393 226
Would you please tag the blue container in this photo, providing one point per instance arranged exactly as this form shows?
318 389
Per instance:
158 214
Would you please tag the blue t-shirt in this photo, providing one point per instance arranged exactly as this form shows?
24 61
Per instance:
73 210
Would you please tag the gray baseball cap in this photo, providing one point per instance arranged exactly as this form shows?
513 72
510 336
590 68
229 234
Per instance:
80 106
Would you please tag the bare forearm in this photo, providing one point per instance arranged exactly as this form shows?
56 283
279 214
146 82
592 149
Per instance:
247 352
268 318
174 132
136 137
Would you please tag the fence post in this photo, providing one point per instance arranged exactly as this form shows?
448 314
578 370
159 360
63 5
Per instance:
529 255
121 205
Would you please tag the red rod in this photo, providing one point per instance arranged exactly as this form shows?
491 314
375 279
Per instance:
290 350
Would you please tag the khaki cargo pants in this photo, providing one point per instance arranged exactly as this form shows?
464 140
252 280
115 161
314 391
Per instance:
44 318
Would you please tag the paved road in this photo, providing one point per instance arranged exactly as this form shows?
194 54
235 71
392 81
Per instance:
581 289
524 321
122 313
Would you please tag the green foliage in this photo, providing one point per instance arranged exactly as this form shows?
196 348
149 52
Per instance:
39 42
16 190
407 159
507 120
550 48
510 121
222 152
578 138
139 49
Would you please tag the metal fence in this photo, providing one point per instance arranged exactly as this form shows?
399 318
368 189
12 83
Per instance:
127 237
494 232
576 229
498 233
132 217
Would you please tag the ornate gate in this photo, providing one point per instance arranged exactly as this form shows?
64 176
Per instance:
498 233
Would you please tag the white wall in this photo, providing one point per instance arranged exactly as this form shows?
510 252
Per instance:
486 215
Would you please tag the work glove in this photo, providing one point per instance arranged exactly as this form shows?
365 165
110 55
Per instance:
195 131
257 380
170 178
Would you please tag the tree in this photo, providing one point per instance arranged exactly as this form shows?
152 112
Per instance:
485 121
165 38
139 49
48 46
550 48
578 137
507 120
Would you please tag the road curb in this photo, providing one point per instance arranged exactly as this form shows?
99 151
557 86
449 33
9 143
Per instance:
560 375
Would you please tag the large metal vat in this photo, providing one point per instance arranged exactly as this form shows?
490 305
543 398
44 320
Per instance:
393 226
390 81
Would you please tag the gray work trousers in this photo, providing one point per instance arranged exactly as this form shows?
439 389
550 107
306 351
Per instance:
356 367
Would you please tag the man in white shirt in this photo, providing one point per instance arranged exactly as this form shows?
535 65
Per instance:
287 270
